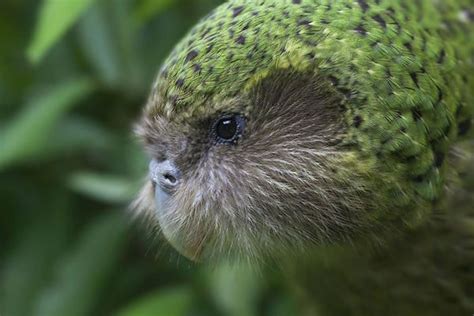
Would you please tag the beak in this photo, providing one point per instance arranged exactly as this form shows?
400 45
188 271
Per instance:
166 178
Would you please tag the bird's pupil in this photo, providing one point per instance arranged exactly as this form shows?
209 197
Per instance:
227 128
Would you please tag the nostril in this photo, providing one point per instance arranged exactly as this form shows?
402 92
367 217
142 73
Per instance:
165 174
170 178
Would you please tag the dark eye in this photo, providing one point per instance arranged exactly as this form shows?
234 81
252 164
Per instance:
229 128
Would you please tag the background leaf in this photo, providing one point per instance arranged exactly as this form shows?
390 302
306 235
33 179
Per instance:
86 269
169 302
146 9
27 270
236 289
27 133
99 45
55 18
107 188
75 135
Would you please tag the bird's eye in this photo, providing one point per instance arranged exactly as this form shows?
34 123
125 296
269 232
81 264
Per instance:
229 128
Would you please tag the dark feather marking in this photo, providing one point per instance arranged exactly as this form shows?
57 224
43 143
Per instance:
237 11
361 30
191 55
363 5
378 18
441 56
240 40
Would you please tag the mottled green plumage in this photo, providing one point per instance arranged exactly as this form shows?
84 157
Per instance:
402 71
402 67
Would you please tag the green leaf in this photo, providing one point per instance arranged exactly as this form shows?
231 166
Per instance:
85 272
30 130
106 188
235 288
131 62
170 302
109 41
55 18
26 270
98 40
74 135
146 9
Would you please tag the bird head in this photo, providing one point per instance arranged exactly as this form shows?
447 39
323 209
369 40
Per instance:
271 129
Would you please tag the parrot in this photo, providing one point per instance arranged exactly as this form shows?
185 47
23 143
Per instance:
332 137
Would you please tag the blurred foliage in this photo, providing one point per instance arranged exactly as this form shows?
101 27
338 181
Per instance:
74 75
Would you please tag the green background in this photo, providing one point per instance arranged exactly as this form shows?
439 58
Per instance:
74 75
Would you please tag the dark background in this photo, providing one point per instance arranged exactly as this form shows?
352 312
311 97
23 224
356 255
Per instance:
74 75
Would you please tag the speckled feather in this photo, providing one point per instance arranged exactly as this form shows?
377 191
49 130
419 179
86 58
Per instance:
402 69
